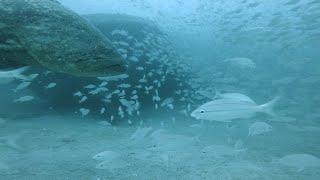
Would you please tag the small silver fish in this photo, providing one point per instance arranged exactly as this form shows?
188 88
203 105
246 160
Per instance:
24 99
124 86
21 86
300 161
90 86
143 80
167 102
104 83
140 68
134 59
83 99
51 85
120 112
102 110
84 111
79 94
98 90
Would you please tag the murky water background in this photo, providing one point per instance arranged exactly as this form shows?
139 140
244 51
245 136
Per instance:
186 50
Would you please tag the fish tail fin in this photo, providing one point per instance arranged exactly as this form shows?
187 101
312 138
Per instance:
32 76
21 70
268 107
21 77
17 73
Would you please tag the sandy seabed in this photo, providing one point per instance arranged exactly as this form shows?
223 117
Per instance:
64 147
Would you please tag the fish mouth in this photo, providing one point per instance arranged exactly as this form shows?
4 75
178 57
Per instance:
104 70
193 115
111 70
119 68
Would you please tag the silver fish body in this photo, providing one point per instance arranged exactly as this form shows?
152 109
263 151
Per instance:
226 110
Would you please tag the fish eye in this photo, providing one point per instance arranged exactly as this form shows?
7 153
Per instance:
202 111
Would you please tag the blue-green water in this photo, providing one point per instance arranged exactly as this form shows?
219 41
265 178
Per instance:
180 54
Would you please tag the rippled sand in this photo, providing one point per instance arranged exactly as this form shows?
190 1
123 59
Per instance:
62 147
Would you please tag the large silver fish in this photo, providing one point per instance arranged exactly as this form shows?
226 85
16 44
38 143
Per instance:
226 110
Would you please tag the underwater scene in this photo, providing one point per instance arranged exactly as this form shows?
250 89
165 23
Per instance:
159 89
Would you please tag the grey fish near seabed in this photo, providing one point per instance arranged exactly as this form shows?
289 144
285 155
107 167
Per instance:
226 110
